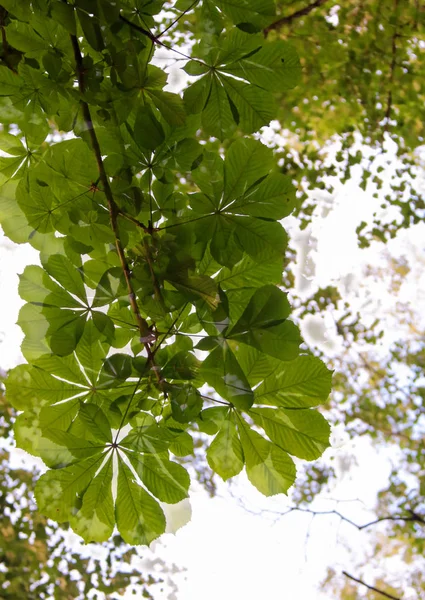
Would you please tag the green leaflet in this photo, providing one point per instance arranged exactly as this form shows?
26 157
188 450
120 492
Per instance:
225 454
263 325
95 520
57 490
301 383
157 218
139 517
166 480
302 433
257 12
269 468
222 371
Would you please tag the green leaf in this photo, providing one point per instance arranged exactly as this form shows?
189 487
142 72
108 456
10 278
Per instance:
273 198
186 402
246 162
225 455
59 448
301 383
97 427
275 67
222 371
11 144
166 480
95 520
28 386
303 433
263 325
65 273
37 287
148 131
139 517
258 12
269 306
57 490
255 107
218 118
169 105
196 286
269 468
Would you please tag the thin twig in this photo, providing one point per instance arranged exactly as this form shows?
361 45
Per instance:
370 587
413 518
143 327
145 32
136 222
177 19
155 40
296 15
228 404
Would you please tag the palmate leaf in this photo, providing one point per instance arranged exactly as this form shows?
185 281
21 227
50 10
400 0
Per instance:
58 308
238 196
54 387
243 72
81 488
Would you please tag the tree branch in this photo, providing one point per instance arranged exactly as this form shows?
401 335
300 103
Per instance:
296 15
370 587
412 517
415 518
142 325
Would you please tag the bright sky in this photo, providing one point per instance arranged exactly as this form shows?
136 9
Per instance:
226 551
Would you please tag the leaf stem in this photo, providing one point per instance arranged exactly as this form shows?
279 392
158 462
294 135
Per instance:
155 40
177 19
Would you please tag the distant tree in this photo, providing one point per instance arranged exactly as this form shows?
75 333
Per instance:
363 74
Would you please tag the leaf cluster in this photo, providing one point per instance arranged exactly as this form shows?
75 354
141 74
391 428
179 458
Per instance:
157 244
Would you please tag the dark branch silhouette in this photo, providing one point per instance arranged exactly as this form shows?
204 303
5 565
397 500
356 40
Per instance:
412 517
370 587
296 15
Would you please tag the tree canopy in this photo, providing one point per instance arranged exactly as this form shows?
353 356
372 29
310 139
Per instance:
157 244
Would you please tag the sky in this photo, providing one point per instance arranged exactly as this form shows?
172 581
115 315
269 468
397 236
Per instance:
233 547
